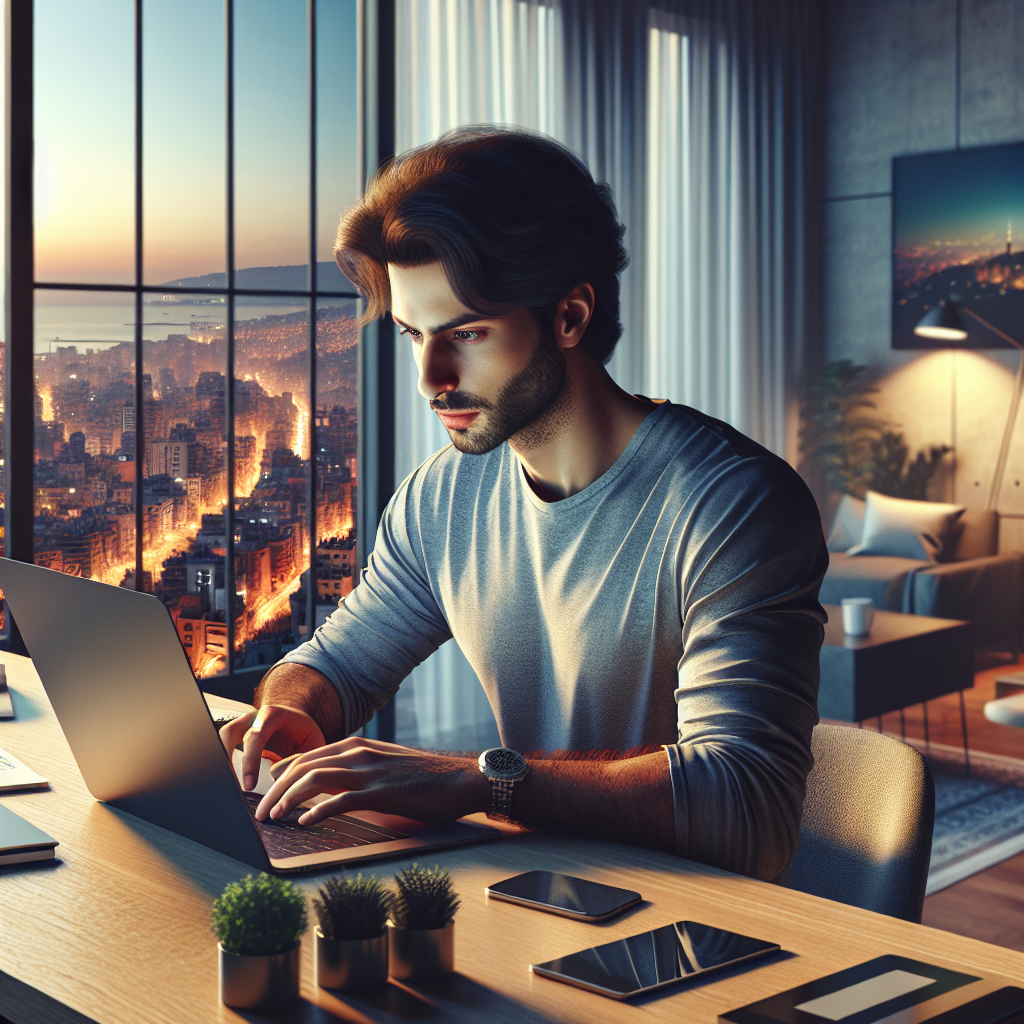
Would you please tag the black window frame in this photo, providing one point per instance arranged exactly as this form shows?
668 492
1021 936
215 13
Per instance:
375 412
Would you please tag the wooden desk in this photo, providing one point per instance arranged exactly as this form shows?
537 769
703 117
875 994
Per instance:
118 931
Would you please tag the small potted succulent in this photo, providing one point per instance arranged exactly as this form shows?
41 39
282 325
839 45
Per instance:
259 922
352 936
422 936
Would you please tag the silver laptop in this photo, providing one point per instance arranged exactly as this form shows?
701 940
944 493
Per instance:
124 693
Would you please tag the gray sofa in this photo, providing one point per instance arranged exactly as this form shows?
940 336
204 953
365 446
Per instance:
976 583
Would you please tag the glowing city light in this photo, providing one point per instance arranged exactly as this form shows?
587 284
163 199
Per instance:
181 516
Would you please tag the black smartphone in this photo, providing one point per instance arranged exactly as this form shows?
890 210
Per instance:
651 960
572 897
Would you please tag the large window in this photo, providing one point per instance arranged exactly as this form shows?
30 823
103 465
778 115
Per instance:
194 359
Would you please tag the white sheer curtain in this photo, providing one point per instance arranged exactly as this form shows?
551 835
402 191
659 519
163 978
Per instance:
727 238
694 112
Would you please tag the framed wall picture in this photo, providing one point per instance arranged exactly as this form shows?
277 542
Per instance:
958 236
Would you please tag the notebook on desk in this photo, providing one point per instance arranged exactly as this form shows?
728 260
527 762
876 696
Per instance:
21 842
15 776
124 693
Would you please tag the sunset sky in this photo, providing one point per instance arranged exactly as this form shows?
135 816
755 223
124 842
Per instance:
967 195
84 135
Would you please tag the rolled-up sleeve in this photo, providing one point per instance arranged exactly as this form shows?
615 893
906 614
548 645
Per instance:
388 624
749 572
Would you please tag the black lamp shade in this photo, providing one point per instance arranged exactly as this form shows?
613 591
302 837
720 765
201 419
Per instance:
943 323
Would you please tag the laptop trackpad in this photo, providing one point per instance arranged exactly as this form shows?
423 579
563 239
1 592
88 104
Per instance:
265 780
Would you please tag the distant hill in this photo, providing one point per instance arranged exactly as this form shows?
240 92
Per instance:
329 279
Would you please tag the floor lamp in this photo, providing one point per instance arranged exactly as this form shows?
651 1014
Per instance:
944 323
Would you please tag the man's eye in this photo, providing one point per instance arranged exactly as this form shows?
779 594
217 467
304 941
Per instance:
467 335
414 335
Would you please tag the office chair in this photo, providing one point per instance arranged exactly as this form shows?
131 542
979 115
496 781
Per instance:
866 832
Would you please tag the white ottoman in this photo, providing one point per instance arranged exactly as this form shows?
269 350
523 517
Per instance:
1006 710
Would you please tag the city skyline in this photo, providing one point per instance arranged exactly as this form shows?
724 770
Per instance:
958 228
85 476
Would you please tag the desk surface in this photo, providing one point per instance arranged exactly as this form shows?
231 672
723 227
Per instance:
885 628
118 931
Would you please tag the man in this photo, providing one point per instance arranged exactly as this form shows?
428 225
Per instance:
624 576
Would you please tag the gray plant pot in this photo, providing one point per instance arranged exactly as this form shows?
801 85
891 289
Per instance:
259 982
351 965
419 955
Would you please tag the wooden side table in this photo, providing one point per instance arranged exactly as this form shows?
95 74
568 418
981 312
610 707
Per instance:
1009 684
904 660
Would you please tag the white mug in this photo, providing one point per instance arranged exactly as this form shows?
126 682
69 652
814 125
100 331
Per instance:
858 614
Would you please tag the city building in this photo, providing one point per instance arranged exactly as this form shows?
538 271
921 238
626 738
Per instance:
170 458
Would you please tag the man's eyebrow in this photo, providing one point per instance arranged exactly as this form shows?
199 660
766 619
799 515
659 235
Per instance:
456 322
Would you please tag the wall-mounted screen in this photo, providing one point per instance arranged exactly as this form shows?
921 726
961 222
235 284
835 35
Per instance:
958 236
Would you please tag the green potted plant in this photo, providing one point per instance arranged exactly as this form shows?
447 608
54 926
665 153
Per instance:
846 447
352 936
422 936
259 922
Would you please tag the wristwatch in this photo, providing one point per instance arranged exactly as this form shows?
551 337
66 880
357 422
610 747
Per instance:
504 768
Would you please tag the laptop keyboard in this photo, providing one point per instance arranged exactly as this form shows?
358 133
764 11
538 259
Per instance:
284 837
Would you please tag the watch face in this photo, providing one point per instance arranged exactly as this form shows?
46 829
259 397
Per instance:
505 762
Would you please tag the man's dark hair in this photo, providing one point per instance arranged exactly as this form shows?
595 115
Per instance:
514 218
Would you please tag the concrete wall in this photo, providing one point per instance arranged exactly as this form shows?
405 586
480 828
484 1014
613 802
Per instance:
917 76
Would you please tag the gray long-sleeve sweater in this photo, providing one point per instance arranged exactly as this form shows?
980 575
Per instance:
674 601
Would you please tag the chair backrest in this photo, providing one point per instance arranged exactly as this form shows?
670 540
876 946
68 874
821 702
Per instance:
866 831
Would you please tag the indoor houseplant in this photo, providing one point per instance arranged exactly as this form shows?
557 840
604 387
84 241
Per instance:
846 447
352 936
422 936
258 922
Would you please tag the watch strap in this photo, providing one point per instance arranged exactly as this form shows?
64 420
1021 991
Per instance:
501 799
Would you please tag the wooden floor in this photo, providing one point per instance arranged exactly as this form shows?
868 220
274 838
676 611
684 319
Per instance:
944 715
989 905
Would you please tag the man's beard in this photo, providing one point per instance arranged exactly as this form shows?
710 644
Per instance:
522 400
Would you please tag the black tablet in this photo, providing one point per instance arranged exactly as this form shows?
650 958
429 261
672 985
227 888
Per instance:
654 959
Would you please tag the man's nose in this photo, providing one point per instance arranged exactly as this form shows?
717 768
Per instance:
438 371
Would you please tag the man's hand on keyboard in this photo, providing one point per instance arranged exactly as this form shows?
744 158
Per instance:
371 775
279 730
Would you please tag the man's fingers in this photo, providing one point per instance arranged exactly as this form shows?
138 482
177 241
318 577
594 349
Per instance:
352 742
298 769
342 803
364 741
315 752
298 762
355 776
319 780
231 733
265 722
355 750
280 767
314 773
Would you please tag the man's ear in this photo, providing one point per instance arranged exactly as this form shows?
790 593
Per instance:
572 315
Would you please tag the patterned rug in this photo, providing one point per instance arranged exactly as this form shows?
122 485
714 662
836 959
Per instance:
979 817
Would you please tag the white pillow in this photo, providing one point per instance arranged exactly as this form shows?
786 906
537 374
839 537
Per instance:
848 525
905 529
